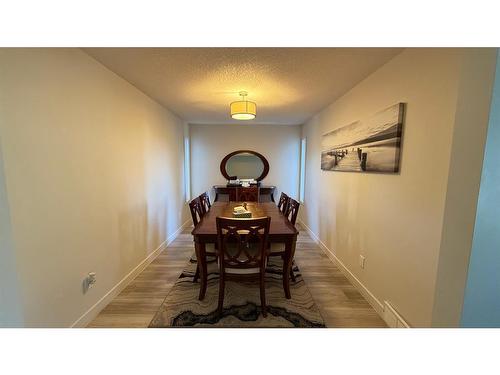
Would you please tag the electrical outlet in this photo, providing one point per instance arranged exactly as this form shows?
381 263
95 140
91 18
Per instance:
89 281
362 261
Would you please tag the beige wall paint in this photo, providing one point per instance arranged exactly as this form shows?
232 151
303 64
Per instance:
280 144
395 221
11 313
94 176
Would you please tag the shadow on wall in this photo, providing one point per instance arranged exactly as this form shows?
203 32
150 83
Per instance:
157 226
141 231
132 233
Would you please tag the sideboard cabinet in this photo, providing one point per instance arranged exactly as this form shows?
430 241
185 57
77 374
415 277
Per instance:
244 194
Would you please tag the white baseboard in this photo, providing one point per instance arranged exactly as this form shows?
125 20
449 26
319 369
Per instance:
372 300
174 235
392 317
91 313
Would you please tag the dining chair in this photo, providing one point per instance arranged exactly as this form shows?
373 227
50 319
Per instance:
242 253
292 210
205 202
283 202
196 210
197 213
278 248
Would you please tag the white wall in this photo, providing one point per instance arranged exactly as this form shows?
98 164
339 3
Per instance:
94 177
280 144
396 221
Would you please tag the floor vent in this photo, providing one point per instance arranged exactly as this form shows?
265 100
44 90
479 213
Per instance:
392 318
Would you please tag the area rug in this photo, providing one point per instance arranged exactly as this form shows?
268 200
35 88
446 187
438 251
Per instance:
181 307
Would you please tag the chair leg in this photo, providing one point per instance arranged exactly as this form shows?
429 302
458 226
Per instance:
292 275
196 274
221 293
263 306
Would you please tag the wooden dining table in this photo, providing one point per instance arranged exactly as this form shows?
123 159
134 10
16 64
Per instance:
280 230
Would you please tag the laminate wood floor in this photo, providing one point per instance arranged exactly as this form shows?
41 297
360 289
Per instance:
340 303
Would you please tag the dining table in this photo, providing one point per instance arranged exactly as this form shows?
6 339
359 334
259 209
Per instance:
281 230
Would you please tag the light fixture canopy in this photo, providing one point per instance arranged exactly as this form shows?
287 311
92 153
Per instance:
243 109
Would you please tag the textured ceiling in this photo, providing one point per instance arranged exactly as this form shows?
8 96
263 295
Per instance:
289 85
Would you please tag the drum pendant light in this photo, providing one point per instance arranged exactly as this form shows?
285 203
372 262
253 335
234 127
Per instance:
243 109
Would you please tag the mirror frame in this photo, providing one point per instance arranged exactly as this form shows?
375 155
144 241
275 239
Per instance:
260 156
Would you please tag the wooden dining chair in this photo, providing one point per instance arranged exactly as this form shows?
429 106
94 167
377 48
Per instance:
278 248
196 210
242 253
283 202
197 213
292 210
205 202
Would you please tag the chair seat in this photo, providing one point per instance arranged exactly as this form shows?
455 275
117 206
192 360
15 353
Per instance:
242 271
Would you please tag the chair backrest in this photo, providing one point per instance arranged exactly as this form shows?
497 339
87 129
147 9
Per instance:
196 210
292 210
242 243
283 202
205 202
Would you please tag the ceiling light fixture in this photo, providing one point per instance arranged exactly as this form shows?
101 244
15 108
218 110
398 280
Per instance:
243 109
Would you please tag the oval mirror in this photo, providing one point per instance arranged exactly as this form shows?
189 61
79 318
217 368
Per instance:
244 164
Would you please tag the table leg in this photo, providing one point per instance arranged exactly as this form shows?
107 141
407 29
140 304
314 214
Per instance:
202 266
287 264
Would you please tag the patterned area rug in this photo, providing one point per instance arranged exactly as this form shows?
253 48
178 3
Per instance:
181 307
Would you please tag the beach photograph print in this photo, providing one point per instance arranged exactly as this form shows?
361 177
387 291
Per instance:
371 145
